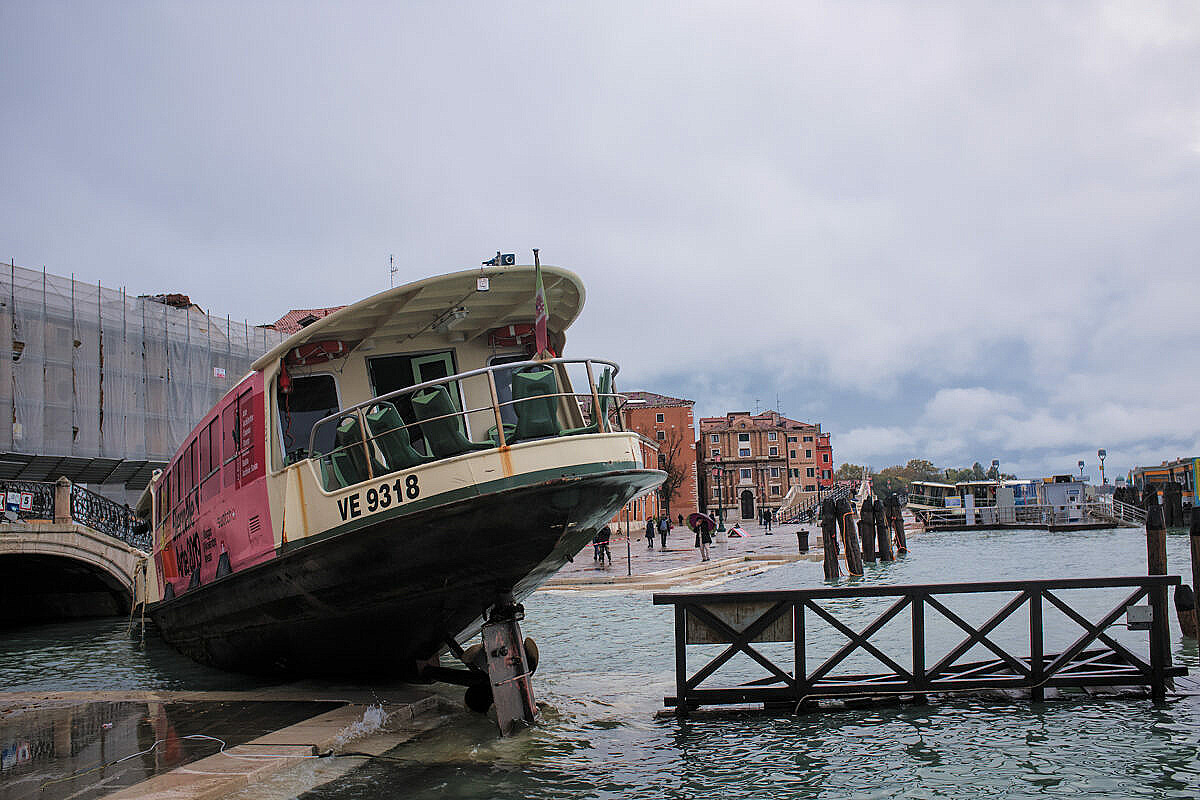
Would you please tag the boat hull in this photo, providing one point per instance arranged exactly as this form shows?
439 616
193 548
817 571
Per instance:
376 600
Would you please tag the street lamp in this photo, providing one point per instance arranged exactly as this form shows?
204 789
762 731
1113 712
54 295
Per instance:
1081 470
719 475
1102 453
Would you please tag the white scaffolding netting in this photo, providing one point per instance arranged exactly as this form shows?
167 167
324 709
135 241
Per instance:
96 373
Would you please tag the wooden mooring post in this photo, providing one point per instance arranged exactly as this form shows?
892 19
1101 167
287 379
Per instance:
866 529
882 534
850 537
1156 564
1185 596
895 517
829 539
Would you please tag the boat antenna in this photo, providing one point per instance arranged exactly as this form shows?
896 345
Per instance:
392 271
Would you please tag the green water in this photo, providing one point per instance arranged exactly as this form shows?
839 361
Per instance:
607 662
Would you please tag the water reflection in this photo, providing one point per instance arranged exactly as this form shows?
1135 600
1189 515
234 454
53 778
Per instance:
89 750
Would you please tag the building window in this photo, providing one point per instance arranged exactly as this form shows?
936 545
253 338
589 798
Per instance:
810 472
774 451
743 437
792 453
716 493
774 472
826 474
661 435
808 438
745 474
714 438
808 453
771 435
775 490
808 487
825 457
743 452
659 418
716 453
791 438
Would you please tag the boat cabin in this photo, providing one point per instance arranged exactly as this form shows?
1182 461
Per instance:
377 404
929 494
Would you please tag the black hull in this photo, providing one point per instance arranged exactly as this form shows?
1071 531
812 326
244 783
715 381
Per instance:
374 601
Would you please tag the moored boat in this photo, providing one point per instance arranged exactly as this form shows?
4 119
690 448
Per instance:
387 475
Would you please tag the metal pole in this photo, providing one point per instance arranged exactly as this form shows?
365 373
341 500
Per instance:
628 556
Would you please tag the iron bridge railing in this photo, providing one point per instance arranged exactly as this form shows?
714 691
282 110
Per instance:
88 508
101 514
742 619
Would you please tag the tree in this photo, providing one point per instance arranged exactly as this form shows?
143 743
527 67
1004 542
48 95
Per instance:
977 472
848 472
672 462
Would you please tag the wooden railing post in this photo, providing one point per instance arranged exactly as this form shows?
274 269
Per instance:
681 704
1037 658
918 644
62 501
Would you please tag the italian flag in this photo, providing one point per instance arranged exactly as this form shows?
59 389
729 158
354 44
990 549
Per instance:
540 313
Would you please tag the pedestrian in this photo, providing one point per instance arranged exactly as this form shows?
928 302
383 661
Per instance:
596 546
703 539
767 519
681 520
603 550
650 533
664 527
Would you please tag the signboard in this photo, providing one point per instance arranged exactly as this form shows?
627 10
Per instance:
739 616
219 372
27 501
12 501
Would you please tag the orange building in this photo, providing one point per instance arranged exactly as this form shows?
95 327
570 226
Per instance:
667 421
749 462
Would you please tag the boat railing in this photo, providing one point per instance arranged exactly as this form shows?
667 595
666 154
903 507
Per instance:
1034 514
423 423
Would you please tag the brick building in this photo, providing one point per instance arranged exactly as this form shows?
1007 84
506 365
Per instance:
747 462
668 422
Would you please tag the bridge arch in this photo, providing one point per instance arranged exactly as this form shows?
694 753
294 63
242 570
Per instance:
50 572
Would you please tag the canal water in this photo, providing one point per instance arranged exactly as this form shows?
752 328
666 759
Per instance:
607 662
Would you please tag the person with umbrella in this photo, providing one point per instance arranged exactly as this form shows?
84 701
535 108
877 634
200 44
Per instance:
703 525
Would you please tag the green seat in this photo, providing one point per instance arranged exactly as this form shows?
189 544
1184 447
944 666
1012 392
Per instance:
444 437
349 458
603 389
387 431
535 393
510 428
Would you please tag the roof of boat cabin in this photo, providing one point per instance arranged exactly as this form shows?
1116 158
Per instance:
410 310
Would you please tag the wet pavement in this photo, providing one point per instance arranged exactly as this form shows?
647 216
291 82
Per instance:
89 750
682 552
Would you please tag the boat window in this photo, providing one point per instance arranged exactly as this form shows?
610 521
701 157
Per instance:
395 372
311 398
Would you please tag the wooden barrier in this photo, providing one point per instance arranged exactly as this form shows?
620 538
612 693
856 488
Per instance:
742 619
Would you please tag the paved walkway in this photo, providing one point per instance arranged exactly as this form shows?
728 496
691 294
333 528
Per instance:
680 563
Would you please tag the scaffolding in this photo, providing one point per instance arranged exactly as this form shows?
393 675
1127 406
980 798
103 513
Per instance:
102 387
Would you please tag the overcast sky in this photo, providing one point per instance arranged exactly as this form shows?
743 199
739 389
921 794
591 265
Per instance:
957 231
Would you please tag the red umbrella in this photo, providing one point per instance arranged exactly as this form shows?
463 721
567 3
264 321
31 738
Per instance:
702 521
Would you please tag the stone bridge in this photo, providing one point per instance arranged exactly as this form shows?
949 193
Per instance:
56 570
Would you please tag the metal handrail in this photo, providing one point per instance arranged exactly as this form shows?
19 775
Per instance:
495 406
